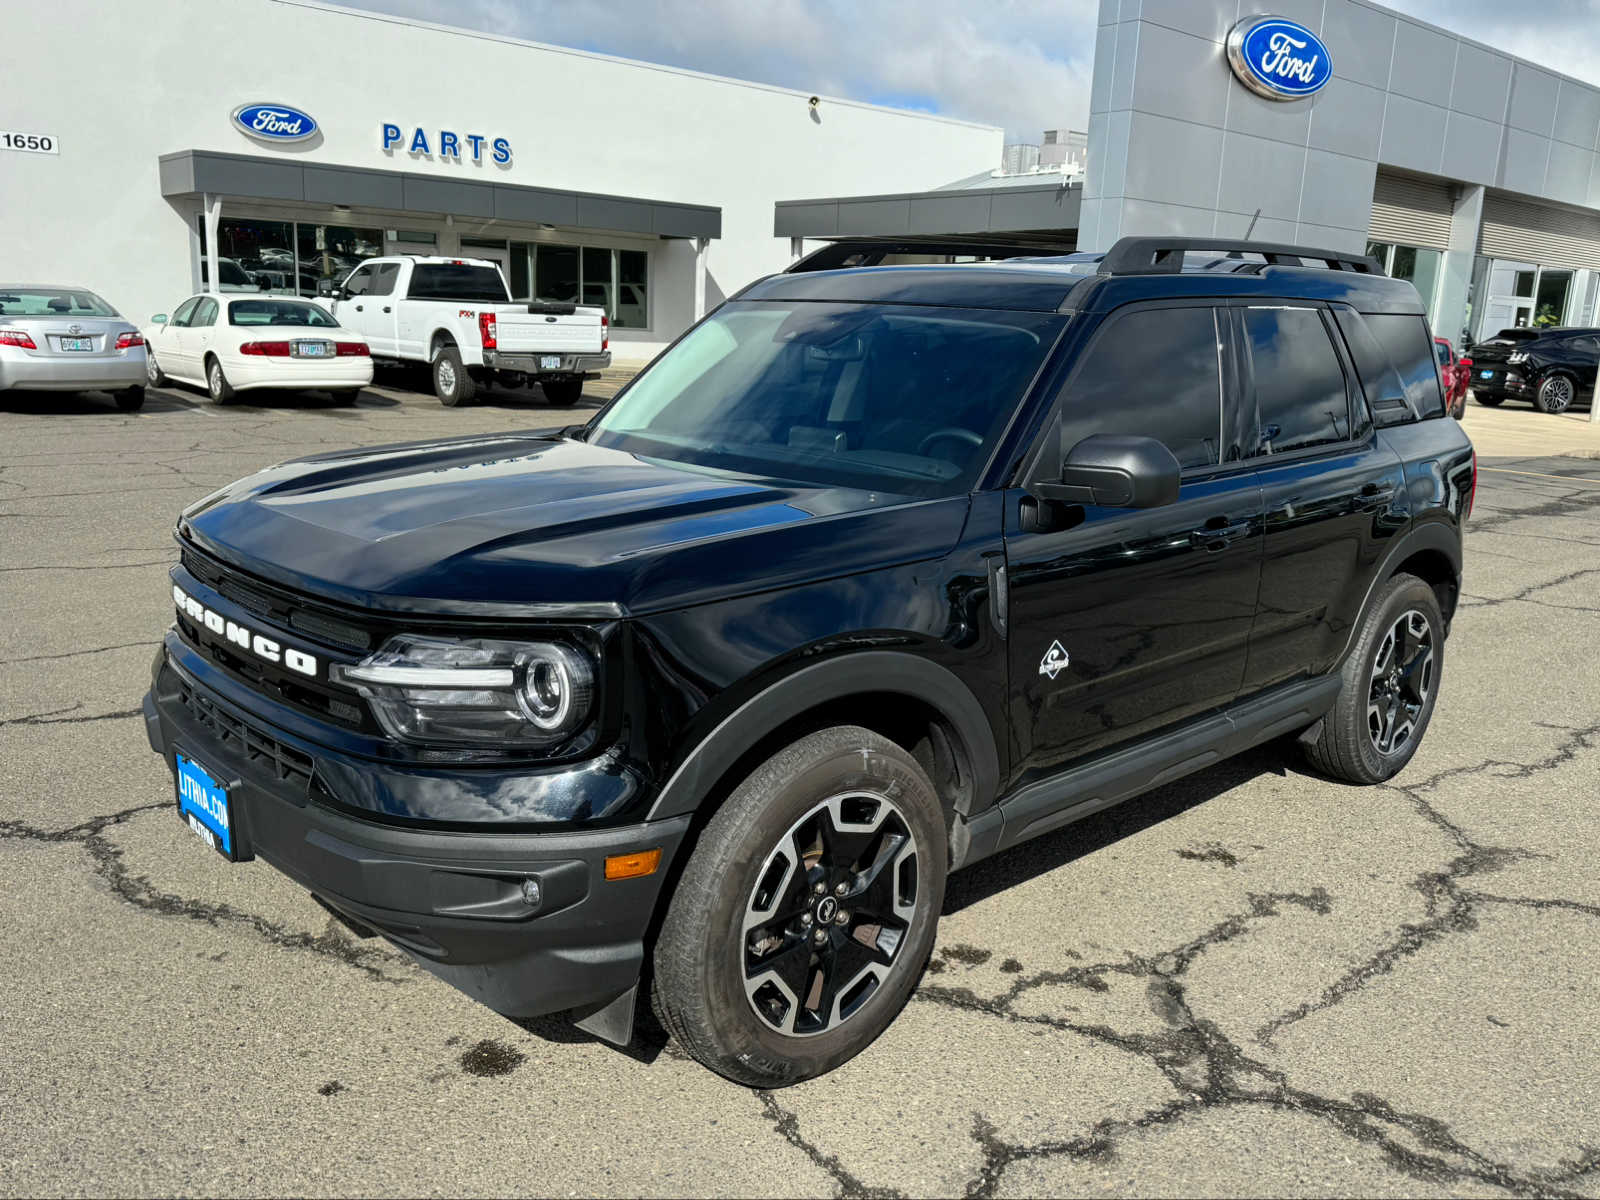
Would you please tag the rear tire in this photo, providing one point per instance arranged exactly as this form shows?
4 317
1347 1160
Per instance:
1390 685
129 399
1556 394
838 837
217 386
451 383
563 393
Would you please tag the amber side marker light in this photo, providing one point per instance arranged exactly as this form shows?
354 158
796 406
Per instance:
631 866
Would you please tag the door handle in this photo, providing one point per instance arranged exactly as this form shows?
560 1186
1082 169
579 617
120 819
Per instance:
1216 533
1375 495
386 308
360 309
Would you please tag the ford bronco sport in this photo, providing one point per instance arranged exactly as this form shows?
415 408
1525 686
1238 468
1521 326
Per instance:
875 572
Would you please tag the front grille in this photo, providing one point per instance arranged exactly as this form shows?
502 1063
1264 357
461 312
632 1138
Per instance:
259 749
283 608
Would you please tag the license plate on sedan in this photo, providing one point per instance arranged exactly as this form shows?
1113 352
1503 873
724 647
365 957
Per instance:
311 349
203 804
550 362
77 343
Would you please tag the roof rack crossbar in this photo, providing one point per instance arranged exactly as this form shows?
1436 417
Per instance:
1164 255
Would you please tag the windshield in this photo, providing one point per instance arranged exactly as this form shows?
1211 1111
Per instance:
899 398
457 281
52 302
278 312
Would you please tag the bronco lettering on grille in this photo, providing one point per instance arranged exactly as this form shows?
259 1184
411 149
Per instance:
260 645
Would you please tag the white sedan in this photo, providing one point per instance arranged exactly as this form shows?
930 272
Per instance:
230 343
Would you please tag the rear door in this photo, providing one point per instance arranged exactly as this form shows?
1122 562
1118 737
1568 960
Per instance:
1123 621
1333 493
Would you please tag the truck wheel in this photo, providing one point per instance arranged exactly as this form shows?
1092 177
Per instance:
218 388
451 383
130 399
1390 686
807 911
563 393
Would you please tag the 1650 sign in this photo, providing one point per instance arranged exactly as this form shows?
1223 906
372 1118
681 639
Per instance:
37 143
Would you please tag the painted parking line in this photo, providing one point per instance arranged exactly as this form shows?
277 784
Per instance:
1540 475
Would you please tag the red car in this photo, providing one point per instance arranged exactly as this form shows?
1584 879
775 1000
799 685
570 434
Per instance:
1454 374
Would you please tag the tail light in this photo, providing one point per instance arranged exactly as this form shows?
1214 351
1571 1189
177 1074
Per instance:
605 332
266 349
15 337
1467 362
127 341
353 350
488 329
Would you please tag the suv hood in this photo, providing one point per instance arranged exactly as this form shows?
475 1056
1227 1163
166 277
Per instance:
524 525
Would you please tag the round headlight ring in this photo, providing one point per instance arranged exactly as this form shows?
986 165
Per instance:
554 684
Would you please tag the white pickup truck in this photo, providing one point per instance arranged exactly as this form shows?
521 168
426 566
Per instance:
456 315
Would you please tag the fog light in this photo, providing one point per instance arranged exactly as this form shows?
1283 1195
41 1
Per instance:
531 894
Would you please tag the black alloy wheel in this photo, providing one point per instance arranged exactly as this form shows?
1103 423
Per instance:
1402 682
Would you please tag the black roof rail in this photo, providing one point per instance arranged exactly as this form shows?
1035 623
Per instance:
872 251
1164 255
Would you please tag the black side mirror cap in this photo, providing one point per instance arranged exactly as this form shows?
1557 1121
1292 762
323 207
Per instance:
1113 471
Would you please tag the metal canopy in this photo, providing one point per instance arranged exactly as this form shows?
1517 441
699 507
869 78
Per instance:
255 177
1047 214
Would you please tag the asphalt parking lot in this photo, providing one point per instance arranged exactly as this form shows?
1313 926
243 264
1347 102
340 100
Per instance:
1251 982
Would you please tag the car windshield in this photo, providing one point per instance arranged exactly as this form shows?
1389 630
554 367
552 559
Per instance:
900 398
52 302
279 312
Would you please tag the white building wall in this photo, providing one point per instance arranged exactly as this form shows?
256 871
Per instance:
125 81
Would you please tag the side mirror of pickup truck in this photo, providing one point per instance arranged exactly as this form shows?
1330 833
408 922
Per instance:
1112 471
326 288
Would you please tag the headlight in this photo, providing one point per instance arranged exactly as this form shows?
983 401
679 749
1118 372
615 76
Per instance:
476 691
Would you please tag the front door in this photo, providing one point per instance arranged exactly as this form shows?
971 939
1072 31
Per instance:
352 311
1124 621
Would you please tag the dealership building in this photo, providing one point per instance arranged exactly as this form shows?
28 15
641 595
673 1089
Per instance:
283 140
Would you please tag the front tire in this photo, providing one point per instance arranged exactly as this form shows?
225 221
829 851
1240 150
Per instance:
129 399
1556 394
217 386
451 383
154 376
563 393
807 911
1389 688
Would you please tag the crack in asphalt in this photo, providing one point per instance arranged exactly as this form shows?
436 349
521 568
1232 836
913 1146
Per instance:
787 1126
106 859
54 717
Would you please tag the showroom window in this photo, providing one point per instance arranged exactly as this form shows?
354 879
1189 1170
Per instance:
282 257
616 280
1417 264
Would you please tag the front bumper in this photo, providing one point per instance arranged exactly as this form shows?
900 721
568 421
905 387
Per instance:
451 899
58 373
571 364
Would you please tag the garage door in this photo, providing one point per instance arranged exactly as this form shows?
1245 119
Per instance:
1408 211
1539 233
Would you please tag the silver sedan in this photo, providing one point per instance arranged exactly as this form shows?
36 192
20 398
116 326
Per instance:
67 339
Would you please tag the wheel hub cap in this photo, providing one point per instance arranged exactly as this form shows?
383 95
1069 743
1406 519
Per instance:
1402 681
829 914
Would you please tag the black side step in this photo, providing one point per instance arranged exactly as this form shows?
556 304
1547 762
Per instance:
1122 774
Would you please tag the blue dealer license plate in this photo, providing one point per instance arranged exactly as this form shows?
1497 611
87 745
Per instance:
203 803
1485 374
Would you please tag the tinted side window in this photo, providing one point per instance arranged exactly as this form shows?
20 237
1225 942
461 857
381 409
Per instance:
1300 389
1385 391
358 282
205 314
1152 373
1405 338
383 277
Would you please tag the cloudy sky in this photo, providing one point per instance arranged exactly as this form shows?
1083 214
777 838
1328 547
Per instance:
1021 64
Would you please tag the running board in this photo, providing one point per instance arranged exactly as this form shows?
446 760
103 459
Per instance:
1088 788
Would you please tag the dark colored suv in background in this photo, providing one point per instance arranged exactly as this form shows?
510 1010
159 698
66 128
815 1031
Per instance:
1553 369
872 574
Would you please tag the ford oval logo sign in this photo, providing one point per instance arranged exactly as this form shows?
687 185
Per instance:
1278 58
274 122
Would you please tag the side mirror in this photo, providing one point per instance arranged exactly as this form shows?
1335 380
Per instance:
325 288
159 319
1113 471
264 282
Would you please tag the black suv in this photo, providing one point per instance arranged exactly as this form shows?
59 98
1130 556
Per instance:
873 573
1551 368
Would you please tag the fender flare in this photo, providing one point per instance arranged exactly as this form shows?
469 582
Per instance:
820 683
1430 535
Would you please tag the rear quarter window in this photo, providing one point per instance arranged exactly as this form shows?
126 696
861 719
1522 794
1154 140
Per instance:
448 281
1394 359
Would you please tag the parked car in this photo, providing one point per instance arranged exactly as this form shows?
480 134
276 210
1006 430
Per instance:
67 339
229 344
873 574
1454 375
456 315
1553 369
